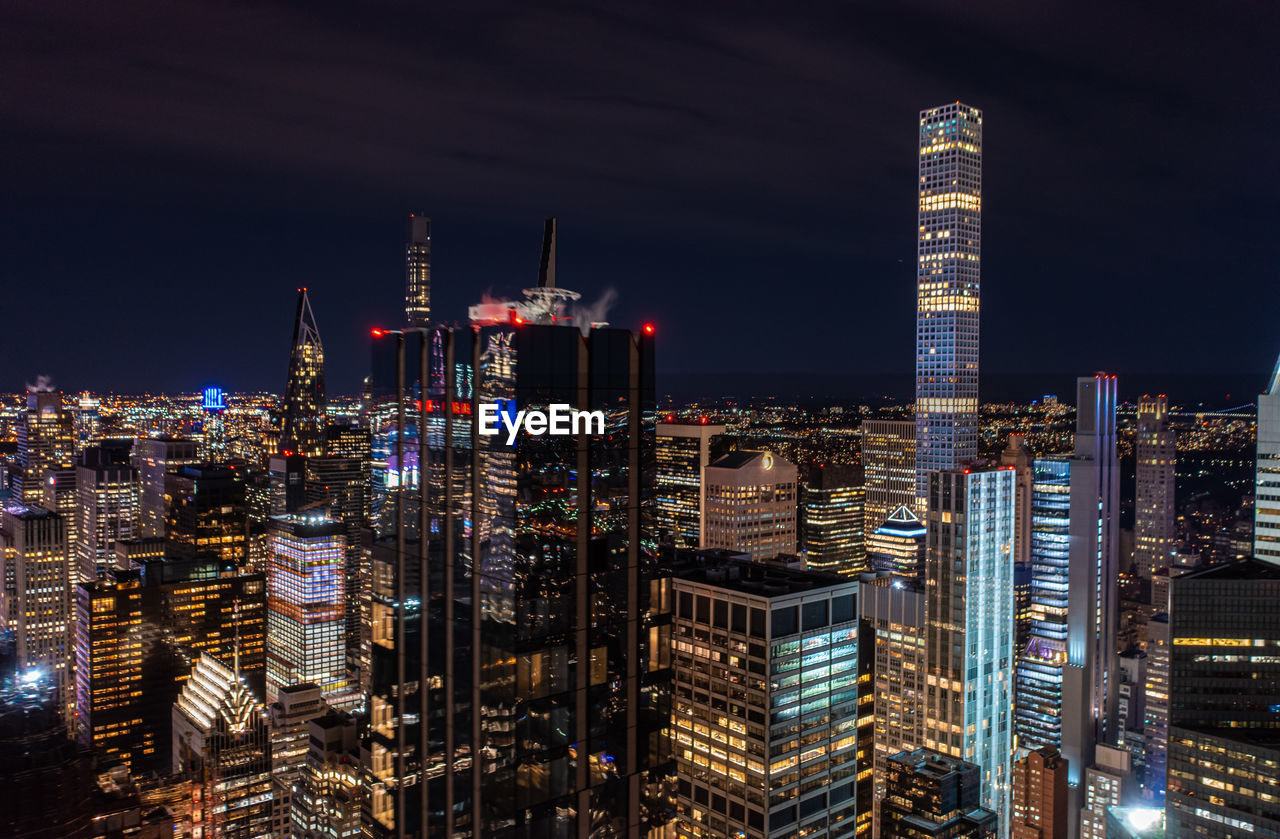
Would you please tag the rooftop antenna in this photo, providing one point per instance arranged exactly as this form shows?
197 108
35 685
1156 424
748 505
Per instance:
547 270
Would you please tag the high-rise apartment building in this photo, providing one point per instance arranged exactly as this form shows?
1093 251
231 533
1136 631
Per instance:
207 512
222 743
137 630
303 421
1038 704
833 530
934 796
306 606
948 270
1106 784
750 504
154 458
107 488
1266 514
417 272
784 755
1040 795
1155 712
33 596
1091 675
969 621
683 451
1224 696
46 441
1155 453
520 666
889 467
893 611
897 546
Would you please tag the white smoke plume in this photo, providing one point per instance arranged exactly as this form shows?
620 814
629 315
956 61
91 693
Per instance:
597 312
44 384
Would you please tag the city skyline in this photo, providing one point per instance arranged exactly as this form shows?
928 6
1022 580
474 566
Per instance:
804 184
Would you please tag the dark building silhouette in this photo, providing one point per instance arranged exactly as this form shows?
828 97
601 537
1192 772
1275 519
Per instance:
932 796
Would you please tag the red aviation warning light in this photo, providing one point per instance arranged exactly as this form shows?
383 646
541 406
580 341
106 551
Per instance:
648 329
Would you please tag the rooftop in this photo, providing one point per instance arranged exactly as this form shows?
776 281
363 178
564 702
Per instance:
724 569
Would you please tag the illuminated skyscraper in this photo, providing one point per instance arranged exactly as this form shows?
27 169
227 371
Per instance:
306 606
1224 702
897 546
970 625
1266 516
154 458
304 396
340 485
801 627
137 630
108 491
33 597
1040 795
947 289
207 512
1040 662
1155 453
1155 715
893 609
683 452
1091 676
329 796
221 741
289 717
46 441
417 272
750 505
832 507
889 467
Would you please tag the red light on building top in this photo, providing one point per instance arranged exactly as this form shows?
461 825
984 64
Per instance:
377 333
648 329
703 421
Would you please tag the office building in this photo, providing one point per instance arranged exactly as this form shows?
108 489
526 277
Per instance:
328 796
137 633
889 466
1155 712
1040 795
289 721
1038 705
892 609
750 505
832 525
417 272
303 410
62 497
1017 455
222 743
948 270
933 796
1266 514
683 451
88 420
1105 784
781 760
46 441
306 607
154 458
207 512
1091 674
969 625
338 485
33 600
1155 454
1224 692
897 546
108 491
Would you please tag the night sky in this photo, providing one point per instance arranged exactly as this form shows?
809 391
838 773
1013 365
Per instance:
740 173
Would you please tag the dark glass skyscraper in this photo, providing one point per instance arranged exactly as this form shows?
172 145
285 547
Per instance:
417 271
304 399
533 563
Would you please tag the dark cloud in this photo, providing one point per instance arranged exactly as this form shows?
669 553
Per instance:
741 172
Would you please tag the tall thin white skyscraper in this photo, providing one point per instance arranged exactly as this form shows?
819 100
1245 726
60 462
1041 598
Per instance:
947 280
417 271
1266 516
1154 450
1090 678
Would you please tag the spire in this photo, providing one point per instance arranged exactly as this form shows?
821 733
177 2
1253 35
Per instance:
547 272
304 397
